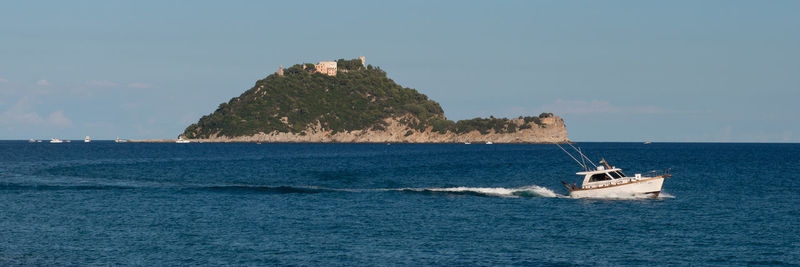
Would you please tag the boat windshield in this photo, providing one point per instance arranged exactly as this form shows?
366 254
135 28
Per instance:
599 177
616 175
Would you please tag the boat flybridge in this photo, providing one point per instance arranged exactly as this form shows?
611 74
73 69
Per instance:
610 182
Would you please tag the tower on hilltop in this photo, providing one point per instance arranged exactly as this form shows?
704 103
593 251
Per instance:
363 61
280 71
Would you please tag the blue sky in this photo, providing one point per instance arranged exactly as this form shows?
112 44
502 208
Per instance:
698 71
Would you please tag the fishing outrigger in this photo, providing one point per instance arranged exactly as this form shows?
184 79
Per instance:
607 181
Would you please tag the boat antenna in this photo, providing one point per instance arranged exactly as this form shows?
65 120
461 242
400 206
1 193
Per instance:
570 155
584 160
583 156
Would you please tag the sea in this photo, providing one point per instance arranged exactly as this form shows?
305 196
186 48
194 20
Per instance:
156 204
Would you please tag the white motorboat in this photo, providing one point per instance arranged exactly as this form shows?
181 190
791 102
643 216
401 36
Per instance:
610 182
117 140
32 141
56 141
182 141
604 183
87 139
489 142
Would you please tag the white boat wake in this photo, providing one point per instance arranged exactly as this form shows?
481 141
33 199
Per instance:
531 191
525 191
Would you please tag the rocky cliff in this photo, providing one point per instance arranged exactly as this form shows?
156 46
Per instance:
359 104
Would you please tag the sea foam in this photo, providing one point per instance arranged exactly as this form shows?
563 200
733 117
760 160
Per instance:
526 191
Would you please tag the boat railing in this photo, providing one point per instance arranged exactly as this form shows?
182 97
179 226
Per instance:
657 173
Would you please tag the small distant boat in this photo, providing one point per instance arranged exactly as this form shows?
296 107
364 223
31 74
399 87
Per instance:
38 141
32 141
489 142
647 142
607 181
182 141
87 139
117 140
467 143
56 141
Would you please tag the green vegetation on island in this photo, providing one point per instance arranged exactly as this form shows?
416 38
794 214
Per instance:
358 97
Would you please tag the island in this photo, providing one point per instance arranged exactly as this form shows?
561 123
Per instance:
349 101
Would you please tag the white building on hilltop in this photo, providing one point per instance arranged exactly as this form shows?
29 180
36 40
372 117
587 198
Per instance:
326 67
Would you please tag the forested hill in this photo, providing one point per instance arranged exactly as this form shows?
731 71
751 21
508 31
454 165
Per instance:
358 98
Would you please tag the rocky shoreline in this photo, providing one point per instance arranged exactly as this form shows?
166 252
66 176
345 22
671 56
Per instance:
551 130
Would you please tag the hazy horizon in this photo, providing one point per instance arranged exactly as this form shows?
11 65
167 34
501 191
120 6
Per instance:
629 71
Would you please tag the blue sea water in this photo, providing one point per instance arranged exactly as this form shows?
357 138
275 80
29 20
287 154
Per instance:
105 203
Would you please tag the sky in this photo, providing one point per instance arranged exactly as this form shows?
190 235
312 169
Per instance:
631 71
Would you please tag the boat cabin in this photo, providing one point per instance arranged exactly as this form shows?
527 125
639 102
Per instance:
602 177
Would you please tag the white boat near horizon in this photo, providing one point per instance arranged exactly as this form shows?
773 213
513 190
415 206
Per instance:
87 139
489 142
56 141
182 141
610 182
117 140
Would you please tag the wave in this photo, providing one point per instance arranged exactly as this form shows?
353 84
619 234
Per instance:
526 191
265 189
48 187
532 191
665 195
212 188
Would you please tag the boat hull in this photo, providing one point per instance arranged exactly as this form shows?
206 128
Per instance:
648 187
